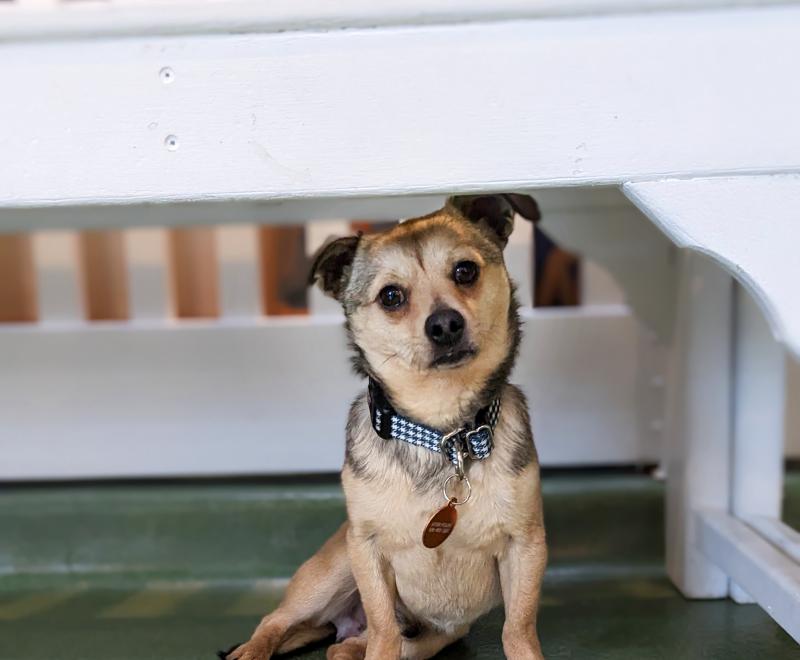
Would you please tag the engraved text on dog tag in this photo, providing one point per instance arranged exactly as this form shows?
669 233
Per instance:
440 526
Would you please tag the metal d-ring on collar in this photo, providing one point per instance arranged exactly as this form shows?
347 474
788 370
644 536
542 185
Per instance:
450 498
474 443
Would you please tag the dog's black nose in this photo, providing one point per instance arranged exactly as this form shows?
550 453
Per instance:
445 327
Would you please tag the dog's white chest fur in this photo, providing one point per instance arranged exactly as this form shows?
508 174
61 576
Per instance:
457 582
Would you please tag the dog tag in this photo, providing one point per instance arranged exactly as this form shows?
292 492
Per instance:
440 526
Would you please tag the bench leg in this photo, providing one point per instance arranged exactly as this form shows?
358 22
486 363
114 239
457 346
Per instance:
698 427
758 418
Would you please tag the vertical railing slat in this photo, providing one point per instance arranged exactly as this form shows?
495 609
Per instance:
238 264
104 275
194 272
17 279
56 259
284 270
147 273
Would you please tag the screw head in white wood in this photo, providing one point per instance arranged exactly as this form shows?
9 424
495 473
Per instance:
167 75
171 142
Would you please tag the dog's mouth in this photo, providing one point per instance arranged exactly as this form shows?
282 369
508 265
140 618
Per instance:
455 357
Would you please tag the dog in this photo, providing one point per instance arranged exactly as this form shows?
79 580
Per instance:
441 477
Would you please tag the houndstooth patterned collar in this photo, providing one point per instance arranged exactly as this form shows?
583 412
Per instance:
475 442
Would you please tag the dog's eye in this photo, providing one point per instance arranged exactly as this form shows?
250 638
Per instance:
391 297
465 272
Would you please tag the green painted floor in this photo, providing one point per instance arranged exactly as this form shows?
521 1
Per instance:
174 572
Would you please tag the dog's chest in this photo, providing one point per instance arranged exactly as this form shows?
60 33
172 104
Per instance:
457 581
483 524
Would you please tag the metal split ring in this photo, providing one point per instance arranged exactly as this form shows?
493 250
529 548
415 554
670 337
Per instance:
453 499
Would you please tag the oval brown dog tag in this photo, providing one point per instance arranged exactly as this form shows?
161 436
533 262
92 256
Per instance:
440 526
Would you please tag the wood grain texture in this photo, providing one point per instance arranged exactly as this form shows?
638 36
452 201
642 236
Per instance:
492 106
104 275
194 272
17 279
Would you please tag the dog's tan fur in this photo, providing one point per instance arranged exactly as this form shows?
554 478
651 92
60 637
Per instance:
497 551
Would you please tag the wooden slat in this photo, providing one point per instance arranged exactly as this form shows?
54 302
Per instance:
194 272
17 279
237 247
163 403
770 576
146 251
104 275
284 269
585 96
134 17
58 289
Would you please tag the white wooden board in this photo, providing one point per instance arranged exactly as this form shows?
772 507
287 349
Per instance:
698 422
748 224
379 111
24 20
239 397
771 577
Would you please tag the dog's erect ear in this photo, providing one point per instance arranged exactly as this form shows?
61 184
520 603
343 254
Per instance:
332 265
496 212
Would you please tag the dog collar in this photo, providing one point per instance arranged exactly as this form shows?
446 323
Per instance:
475 441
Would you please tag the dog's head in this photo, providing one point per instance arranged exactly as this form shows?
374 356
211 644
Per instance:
431 297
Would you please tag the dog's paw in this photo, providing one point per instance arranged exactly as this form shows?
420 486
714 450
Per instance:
522 649
247 651
347 650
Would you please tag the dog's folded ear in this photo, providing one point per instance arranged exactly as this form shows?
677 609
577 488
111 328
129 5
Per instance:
495 213
332 265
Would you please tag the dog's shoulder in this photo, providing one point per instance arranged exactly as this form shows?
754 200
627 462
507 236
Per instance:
513 435
359 434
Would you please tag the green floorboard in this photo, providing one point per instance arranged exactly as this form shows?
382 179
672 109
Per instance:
176 572
629 618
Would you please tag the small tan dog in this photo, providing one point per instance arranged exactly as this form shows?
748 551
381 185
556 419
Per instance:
433 323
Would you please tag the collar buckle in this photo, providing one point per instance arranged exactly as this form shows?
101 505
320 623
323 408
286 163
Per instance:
470 446
454 438
462 441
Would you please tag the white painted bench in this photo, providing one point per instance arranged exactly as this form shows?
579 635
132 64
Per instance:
250 112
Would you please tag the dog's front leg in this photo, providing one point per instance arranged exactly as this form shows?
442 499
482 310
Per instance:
313 598
376 584
521 572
